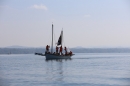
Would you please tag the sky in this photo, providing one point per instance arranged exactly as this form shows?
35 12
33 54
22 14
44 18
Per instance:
86 23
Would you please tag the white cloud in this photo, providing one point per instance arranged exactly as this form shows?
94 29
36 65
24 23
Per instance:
42 7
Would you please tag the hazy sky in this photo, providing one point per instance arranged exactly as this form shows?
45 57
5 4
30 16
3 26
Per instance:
86 23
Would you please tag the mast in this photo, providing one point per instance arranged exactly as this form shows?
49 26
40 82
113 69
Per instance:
52 40
61 36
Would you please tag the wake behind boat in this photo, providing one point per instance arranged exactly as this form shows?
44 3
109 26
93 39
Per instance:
58 54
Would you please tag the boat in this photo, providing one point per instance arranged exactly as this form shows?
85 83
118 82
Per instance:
53 55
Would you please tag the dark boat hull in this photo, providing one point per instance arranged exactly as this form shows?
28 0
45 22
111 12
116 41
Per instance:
53 56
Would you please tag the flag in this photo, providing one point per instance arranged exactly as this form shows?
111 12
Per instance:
59 41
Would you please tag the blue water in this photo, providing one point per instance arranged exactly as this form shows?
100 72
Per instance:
84 69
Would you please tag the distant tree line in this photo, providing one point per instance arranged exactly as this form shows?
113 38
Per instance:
101 50
74 50
21 50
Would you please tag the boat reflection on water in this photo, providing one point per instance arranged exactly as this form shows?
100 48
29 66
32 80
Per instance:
56 70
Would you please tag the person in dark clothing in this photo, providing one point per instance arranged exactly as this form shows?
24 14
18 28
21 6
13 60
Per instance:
57 50
70 53
47 48
65 50
60 50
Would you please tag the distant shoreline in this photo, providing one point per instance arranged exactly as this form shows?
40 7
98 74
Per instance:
75 50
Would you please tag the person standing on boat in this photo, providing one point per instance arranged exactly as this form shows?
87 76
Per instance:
47 48
70 53
60 50
56 50
65 50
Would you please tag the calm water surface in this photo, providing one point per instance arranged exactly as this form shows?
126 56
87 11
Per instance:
84 69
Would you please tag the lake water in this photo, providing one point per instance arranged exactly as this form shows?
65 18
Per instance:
84 69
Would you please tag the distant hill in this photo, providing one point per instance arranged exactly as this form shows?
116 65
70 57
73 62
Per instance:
101 50
27 50
16 46
21 50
